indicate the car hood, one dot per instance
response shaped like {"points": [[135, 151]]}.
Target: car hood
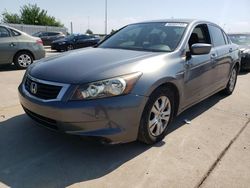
{"points": [[244, 46], [87, 65]]}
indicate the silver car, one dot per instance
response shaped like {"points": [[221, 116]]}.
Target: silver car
{"points": [[19, 47], [133, 83]]}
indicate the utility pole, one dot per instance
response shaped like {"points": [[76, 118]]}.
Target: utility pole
{"points": [[71, 27], [106, 17], [88, 22]]}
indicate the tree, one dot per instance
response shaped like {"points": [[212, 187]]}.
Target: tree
{"points": [[31, 14], [89, 32], [112, 31], [11, 18]]}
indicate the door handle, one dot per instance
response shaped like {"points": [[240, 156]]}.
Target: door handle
{"points": [[230, 50], [12, 44]]}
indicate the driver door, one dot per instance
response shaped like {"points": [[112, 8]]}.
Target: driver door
{"points": [[199, 73]]}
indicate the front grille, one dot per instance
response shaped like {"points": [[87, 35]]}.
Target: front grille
{"points": [[50, 123], [43, 91]]}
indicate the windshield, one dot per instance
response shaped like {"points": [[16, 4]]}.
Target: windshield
{"points": [[36, 34], [240, 39], [70, 37], [157, 37]]}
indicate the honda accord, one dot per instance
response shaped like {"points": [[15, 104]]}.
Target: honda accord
{"points": [[131, 85]]}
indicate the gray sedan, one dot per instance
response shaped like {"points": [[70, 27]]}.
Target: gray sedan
{"points": [[19, 47], [132, 85]]}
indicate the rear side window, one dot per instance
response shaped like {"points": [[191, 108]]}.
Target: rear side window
{"points": [[217, 36], [15, 33], [44, 34], [4, 32]]}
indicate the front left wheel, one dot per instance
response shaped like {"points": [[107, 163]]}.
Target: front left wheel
{"points": [[70, 47], [157, 115]]}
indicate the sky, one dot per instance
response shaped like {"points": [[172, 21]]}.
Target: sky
{"points": [[232, 15]]}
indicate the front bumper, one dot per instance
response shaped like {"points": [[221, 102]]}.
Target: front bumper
{"points": [[245, 62], [116, 119]]}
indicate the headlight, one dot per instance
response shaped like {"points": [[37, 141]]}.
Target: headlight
{"points": [[246, 51], [107, 88]]}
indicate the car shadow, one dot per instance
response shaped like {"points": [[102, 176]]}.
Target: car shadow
{"points": [[9, 67], [195, 111], [32, 156], [244, 72]]}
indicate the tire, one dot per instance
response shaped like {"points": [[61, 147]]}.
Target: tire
{"points": [[153, 127], [232, 82], [69, 47], [23, 59]]}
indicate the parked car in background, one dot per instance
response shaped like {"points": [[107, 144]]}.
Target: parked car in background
{"points": [[48, 37], [134, 83], [73, 42], [19, 47], [243, 40]]}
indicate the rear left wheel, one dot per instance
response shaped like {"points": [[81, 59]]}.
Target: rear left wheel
{"points": [[232, 82], [157, 116], [23, 59]]}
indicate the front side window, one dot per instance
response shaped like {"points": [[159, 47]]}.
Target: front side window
{"points": [[82, 37], [4, 32], [200, 34], [157, 37], [71, 37], [217, 35]]}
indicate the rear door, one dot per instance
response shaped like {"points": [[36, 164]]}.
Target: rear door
{"points": [[224, 53], [8, 45]]}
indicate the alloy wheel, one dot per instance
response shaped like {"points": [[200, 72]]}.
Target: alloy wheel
{"points": [[24, 60], [70, 47], [159, 116], [232, 80]]}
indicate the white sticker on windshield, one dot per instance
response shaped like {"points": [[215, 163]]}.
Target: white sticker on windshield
{"points": [[171, 24]]}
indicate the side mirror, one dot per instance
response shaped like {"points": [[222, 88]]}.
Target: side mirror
{"points": [[200, 48]]}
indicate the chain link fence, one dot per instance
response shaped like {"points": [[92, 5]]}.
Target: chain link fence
{"points": [[31, 29]]}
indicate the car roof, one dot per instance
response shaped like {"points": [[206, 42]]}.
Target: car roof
{"points": [[170, 20], [3, 25], [49, 32], [179, 20], [9, 27]]}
